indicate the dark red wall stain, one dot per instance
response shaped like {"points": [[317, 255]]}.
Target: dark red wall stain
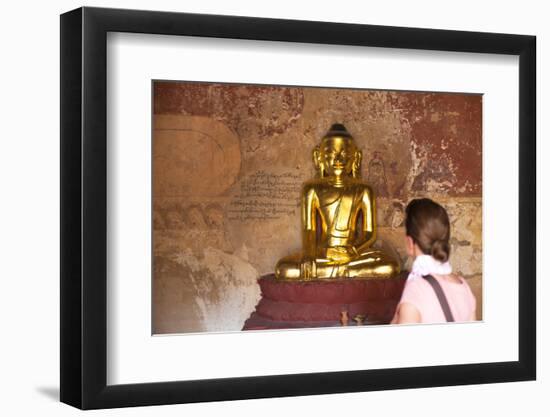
{"points": [[274, 109], [447, 132]]}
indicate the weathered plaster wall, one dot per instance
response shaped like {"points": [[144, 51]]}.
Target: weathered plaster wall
{"points": [[228, 162]]}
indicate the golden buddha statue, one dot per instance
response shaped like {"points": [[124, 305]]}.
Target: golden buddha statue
{"points": [[338, 219]]}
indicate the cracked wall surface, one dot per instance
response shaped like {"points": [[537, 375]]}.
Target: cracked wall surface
{"points": [[228, 164]]}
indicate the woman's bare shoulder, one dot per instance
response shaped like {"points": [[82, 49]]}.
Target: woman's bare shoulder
{"points": [[453, 278], [457, 277]]}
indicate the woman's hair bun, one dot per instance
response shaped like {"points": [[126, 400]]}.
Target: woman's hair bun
{"points": [[440, 250], [427, 223]]}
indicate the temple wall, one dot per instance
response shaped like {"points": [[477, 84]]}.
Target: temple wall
{"points": [[228, 164]]}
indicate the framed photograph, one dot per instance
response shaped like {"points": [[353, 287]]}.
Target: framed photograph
{"points": [[238, 207]]}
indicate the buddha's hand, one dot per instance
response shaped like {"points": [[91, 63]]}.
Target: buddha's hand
{"points": [[348, 252], [342, 254], [308, 268]]}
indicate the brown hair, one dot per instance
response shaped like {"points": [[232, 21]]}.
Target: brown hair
{"points": [[427, 223]]}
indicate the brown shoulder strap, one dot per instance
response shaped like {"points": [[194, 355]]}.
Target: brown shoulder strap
{"points": [[440, 296]]}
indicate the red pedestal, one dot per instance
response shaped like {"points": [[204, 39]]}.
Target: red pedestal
{"points": [[286, 304]]}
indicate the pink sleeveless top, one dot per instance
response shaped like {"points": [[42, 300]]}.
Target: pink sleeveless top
{"points": [[421, 294]]}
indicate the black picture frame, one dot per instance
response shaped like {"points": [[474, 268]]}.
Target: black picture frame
{"points": [[84, 207]]}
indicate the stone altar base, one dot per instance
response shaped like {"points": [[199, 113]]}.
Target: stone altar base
{"points": [[287, 304]]}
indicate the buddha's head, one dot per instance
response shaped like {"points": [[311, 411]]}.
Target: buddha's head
{"points": [[337, 155]]}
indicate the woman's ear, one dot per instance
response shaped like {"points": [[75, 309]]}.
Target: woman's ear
{"points": [[410, 245]]}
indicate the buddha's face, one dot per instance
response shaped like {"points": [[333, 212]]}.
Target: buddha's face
{"points": [[338, 154]]}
